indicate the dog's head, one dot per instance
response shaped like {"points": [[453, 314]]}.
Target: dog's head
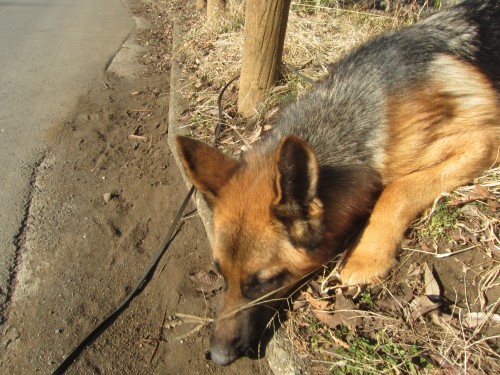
{"points": [[267, 221]]}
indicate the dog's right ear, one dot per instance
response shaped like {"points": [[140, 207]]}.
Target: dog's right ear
{"points": [[207, 168], [297, 204]]}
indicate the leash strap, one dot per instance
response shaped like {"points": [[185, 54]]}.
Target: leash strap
{"points": [[92, 336]]}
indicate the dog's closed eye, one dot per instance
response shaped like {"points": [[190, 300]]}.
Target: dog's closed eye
{"points": [[257, 285]]}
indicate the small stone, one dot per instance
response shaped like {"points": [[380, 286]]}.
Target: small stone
{"points": [[107, 197], [59, 330]]}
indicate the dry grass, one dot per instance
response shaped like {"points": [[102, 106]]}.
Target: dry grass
{"points": [[390, 327], [393, 326], [210, 54]]}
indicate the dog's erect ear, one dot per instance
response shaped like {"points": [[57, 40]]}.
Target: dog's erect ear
{"points": [[296, 203], [207, 168]]}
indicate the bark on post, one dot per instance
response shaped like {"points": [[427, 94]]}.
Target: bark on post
{"points": [[265, 28], [215, 6]]}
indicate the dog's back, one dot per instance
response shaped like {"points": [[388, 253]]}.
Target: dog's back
{"points": [[347, 112]]}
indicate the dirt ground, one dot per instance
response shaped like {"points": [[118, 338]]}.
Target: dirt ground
{"points": [[101, 205], [103, 198]]}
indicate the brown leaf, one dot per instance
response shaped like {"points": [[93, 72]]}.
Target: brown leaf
{"points": [[414, 270], [420, 306], [456, 235], [493, 204], [344, 303], [427, 248], [206, 281], [345, 309], [390, 303], [316, 303], [331, 320], [464, 199], [483, 192], [342, 314], [315, 287], [298, 305], [480, 192], [300, 302]]}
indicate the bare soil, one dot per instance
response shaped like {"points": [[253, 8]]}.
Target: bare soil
{"points": [[101, 205]]}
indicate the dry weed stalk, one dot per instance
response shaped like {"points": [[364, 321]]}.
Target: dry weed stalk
{"points": [[211, 55]]}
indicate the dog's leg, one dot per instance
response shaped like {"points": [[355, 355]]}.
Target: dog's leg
{"points": [[403, 199]]}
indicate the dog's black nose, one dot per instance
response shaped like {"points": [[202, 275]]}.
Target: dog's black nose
{"points": [[222, 357], [224, 353]]}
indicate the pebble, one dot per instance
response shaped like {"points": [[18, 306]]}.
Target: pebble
{"points": [[107, 197]]}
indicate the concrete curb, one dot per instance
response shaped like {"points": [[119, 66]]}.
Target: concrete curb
{"points": [[177, 105], [279, 354]]}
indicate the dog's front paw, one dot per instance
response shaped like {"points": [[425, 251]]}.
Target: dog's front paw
{"points": [[364, 270]]}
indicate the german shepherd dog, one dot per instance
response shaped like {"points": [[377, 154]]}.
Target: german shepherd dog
{"points": [[398, 121]]}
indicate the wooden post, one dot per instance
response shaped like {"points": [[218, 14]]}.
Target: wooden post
{"points": [[215, 6], [265, 28]]}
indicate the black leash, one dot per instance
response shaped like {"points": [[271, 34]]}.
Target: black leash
{"points": [[92, 336], [219, 105], [299, 74]]}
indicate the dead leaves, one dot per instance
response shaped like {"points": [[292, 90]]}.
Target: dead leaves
{"points": [[479, 192], [341, 312], [420, 306], [430, 301], [206, 281]]}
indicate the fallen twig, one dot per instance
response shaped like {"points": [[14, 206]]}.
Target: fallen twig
{"points": [[138, 137], [194, 318], [160, 337], [192, 332]]}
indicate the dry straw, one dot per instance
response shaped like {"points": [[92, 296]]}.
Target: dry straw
{"points": [[211, 52]]}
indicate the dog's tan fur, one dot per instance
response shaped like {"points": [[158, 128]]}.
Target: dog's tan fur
{"points": [[441, 135]]}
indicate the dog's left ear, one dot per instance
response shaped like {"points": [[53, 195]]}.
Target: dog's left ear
{"points": [[296, 204], [207, 168]]}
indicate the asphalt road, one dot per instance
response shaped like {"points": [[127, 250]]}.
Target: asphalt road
{"points": [[51, 53]]}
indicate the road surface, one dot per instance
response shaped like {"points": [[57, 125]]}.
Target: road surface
{"points": [[51, 53]]}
